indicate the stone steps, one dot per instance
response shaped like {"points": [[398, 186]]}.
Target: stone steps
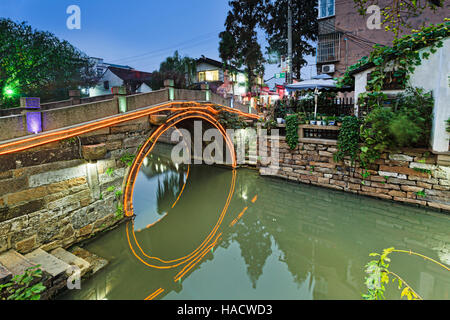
{"points": [[56, 266], [95, 261], [73, 260], [14, 262], [443, 160]]}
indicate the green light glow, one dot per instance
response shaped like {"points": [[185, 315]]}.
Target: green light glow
{"points": [[122, 104], [9, 91]]}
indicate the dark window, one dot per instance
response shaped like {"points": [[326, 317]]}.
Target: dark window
{"points": [[106, 85]]}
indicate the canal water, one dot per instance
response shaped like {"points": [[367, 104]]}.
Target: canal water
{"points": [[205, 232]]}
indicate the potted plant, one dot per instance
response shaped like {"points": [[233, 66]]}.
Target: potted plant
{"points": [[312, 120], [319, 120], [332, 121], [339, 121], [302, 118]]}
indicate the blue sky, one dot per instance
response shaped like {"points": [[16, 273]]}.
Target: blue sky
{"points": [[140, 33]]}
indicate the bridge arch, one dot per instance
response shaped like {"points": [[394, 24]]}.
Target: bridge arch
{"points": [[210, 241], [147, 147]]}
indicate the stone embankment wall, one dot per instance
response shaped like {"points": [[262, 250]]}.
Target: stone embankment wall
{"points": [[51, 196], [409, 176]]}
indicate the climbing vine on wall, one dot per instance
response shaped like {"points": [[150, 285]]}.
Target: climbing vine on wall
{"points": [[292, 131], [348, 139], [404, 56]]}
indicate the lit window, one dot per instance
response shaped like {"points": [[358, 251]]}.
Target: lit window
{"points": [[201, 76], [326, 8], [212, 75]]}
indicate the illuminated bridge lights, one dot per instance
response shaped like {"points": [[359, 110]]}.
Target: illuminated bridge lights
{"points": [[21, 144]]}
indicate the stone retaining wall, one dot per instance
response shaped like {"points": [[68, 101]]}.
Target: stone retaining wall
{"points": [[409, 176], [51, 197]]}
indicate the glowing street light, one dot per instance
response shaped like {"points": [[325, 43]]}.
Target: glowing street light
{"points": [[9, 91]]}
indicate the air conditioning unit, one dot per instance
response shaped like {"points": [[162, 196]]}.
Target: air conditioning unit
{"points": [[328, 68]]}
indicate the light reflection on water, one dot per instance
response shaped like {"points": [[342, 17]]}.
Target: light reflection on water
{"points": [[295, 242]]}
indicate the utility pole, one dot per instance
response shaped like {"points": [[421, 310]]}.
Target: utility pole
{"points": [[289, 59]]}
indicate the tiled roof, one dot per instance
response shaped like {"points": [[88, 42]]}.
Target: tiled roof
{"points": [[127, 74]]}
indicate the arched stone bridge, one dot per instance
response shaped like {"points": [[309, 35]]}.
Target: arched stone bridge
{"points": [[54, 183]]}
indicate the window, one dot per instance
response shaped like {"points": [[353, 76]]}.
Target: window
{"points": [[328, 48], [99, 72], [211, 75], [326, 8], [106, 85]]}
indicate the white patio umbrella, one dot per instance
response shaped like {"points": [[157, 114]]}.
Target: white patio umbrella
{"points": [[319, 82]]}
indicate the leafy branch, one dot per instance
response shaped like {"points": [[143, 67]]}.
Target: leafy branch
{"points": [[378, 276], [20, 287]]}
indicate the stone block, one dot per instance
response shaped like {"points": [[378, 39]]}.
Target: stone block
{"points": [[49, 263], [396, 193], [322, 164], [51, 177], [401, 170], [15, 262], [400, 157], [94, 152], [411, 188]]}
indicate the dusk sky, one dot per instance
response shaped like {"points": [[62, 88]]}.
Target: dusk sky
{"points": [[139, 33]]}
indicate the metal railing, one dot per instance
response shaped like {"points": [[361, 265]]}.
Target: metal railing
{"points": [[329, 47]]}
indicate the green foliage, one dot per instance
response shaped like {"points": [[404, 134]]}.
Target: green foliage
{"points": [[304, 30], [379, 276], [111, 189], [37, 64], [397, 14], [118, 194], [127, 159], [21, 286], [428, 171], [231, 120], [182, 70], [292, 131], [241, 24], [404, 131], [375, 135], [421, 193], [348, 139], [448, 124], [119, 211], [406, 123], [110, 171], [404, 54]]}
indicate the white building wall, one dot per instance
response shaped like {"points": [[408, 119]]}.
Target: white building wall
{"points": [[144, 89], [99, 90], [433, 75]]}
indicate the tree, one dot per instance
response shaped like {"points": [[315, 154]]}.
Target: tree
{"points": [[304, 30], [37, 63], [182, 65], [241, 23], [396, 13]]}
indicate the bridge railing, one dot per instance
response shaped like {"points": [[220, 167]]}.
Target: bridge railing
{"points": [[50, 118]]}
